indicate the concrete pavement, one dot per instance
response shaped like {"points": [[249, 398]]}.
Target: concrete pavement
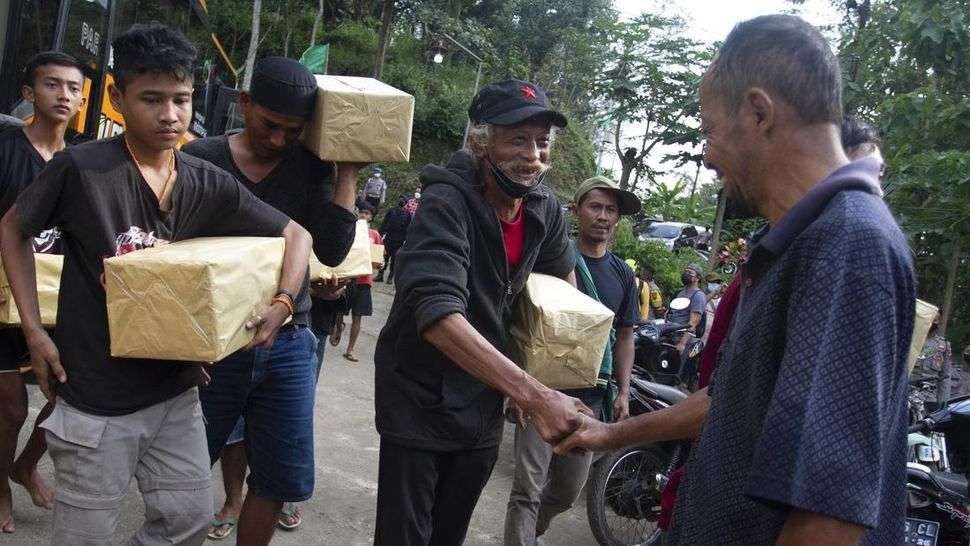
{"points": [[341, 511]]}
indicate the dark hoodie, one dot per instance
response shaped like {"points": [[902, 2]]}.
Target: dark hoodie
{"points": [[454, 262]]}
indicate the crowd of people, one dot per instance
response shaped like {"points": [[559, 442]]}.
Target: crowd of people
{"points": [[807, 342]]}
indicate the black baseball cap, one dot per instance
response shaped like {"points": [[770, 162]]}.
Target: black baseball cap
{"points": [[511, 102], [284, 86]]}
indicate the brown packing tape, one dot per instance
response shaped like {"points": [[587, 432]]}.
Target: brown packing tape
{"points": [[48, 269], [559, 334], [356, 264], [361, 120], [190, 300]]}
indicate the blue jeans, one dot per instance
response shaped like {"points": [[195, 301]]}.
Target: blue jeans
{"points": [[274, 390]]}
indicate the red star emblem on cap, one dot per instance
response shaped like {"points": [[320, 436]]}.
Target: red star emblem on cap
{"points": [[528, 92]]}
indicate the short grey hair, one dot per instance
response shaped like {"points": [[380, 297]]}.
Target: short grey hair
{"points": [[782, 54], [480, 137]]}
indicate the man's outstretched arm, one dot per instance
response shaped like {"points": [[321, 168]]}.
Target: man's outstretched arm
{"points": [[554, 414], [682, 421]]}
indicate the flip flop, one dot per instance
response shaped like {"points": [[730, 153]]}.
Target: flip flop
{"points": [[290, 510], [216, 523], [351, 357], [335, 335]]}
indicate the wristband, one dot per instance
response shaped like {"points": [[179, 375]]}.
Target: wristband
{"points": [[286, 303]]}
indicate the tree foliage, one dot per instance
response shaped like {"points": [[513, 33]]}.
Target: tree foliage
{"points": [[906, 67]]}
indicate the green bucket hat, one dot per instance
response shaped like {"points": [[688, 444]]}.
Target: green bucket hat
{"points": [[629, 202]]}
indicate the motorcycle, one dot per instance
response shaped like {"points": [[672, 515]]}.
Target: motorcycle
{"points": [[938, 505], [624, 488], [930, 448], [656, 351]]}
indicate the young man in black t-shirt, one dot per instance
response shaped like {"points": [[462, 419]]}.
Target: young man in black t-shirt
{"points": [[544, 484], [52, 83], [118, 418], [268, 159]]}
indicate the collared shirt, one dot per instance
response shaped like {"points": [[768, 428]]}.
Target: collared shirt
{"points": [[808, 401]]}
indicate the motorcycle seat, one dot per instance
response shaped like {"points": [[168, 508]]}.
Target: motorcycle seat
{"points": [[954, 483], [669, 327], [668, 394]]}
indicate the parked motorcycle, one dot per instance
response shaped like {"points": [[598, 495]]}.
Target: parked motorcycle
{"points": [[656, 351], [938, 505], [623, 492]]}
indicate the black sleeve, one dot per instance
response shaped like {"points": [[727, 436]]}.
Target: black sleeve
{"points": [[42, 205], [237, 212], [555, 256], [331, 226], [432, 269], [630, 308]]}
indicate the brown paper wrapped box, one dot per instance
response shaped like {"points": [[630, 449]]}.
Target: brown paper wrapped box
{"points": [[925, 313], [377, 256], [360, 119], [48, 268], [356, 264], [190, 300], [559, 334]]}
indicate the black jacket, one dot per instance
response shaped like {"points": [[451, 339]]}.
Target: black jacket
{"points": [[395, 227], [454, 262]]}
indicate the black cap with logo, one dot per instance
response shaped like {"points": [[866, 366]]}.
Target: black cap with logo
{"points": [[511, 102]]}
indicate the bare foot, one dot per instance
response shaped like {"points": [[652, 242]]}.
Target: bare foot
{"points": [[41, 493], [6, 509]]}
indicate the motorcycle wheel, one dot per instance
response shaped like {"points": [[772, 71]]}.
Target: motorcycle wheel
{"points": [[623, 496]]}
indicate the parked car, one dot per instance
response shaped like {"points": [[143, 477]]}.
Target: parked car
{"points": [[673, 235]]}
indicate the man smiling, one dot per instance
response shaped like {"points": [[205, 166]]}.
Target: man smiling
{"points": [[486, 222]]}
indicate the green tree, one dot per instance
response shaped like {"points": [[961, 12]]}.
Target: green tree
{"points": [[906, 66], [653, 81]]}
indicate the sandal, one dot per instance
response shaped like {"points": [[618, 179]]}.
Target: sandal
{"points": [[215, 524], [291, 511], [351, 357]]}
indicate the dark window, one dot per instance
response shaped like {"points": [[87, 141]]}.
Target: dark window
{"points": [[34, 32]]}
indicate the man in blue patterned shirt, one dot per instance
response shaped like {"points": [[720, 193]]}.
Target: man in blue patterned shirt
{"points": [[801, 435]]}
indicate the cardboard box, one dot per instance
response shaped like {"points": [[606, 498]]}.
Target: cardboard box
{"points": [[190, 300], [360, 119], [925, 313], [559, 334], [48, 269], [377, 256], [356, 264]]}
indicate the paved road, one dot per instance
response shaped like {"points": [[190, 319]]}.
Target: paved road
{"points": [[342, 509]]}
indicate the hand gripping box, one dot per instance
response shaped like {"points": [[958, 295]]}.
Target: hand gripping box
{"points": [[190, 300]]}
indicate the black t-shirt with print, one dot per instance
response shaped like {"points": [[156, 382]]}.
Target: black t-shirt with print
{"points": [[105, 208], [19, 165], [301, 187]]}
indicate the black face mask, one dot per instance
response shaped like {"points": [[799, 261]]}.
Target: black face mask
{"points": [[510, 187], [686, 278]]}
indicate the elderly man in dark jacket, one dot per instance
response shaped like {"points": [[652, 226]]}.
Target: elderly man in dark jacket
{"points": [[442, 361]]}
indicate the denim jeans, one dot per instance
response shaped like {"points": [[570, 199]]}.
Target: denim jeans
{"points": [[274, 390]]}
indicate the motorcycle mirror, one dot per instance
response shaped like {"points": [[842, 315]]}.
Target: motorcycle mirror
{"points": [[679, 304]]}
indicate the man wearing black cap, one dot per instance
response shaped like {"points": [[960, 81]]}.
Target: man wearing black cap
{"points": [[442, 368], [269, 161], [544, 484]]}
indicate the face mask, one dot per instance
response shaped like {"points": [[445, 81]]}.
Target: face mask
{"points": [[510, 187], [686, 278], [712, 286]]}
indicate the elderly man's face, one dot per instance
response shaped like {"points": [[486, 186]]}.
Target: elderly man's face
{"points": [[521, 151], [722, 153]]}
